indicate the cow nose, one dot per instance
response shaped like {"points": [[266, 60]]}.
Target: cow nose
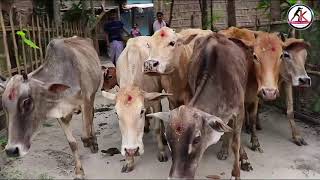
{"points": [[269, 93], [132, 152], [305, 81], [13, 152], [151, 65]]}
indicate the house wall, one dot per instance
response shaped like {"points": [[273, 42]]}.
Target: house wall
{"points": [[183, 11]]}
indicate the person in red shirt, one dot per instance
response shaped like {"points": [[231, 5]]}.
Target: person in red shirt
{"points": [[135, 31]]}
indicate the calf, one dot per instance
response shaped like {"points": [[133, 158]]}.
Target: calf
{"points": [[133, 100], [109, 78], [217, 79], [169, 57], [66, 81]]}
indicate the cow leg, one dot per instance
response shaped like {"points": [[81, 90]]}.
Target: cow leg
{"points": [[224, 152], [89, 138], [296, 136], [129, 165], [65, 125], [236, 150], [254, 138], [247, 123], [159, 131], [245, 164]]}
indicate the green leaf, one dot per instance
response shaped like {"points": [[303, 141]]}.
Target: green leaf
{"points": [[30, 43], [21, 33]]}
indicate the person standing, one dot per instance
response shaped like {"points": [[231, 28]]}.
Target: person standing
{"points": [[135, 31], [113, 30], [159, 23]]}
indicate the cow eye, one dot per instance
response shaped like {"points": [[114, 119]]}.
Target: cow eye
{"points": [[142, 112], [255, 58], [285, 55], [196, 140], [172, 43]]}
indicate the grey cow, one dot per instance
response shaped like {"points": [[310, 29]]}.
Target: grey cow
{"points": [[66, 82]]}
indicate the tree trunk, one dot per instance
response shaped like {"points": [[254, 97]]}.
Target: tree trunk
{"points": [[211, 14], [171, 11], [275, 11], [231, 11], [204, 13], [56, 12]]}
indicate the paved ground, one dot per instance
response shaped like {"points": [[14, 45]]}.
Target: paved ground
{"points": [[50, 155]]}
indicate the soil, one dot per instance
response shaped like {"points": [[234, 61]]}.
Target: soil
{"points": [[50, 155]]}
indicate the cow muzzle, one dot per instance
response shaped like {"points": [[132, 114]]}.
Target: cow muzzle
{"points": [[304, 81], [16, 151], [132, 152], [268, 94], [151, 66]]}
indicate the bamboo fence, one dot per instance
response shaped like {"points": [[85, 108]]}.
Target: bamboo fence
{"points": [[16, 56]]}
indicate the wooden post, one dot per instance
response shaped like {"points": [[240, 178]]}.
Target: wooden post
{"points": [[34, 37], [48, 26], [67, 29], [15, 47], [39, 40], [23, 48], [44, 31], [4, 34]]}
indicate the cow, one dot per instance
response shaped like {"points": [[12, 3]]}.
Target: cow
{"points": [[67, 80], [169, 57], [217, 78], [138, 94], [293, 73], [269, 50], [265, 51], [109, 78]]}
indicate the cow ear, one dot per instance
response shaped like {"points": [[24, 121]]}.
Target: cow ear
{"points": [[57, 88], [217, 124], [165, 116], [155, 95], [292, 43], [186, 39], [109, 96]]}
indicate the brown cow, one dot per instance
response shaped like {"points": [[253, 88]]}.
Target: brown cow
{"points": [[218, 72], [109, 78], [293, 73], [66, 81], [268, 51], [169, 57]]}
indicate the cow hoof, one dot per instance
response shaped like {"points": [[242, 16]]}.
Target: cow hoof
{"points": [[223, 155], [94, 148], [79, 177], [127, 168], [85, 141], [299, 141], [146, 130], [79, 173], [162, 157], [256, 145], [246, 166]]}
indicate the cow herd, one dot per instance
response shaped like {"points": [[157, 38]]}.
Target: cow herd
{"points": [[213, 82]]}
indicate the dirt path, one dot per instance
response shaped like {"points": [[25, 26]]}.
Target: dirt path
{"points": [[50, 155]]}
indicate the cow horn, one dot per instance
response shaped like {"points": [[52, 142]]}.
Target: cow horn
{"points": [[24, 75]]}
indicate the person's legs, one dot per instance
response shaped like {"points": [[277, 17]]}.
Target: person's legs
{"points": [[113, 52], [118, 50]]}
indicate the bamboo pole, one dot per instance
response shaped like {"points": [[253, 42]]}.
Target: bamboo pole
{"points": [[15, 47], [34, 37], [23, 49], [57, 29], [48, 25], [313, 72], [44, 32], [4, 34], [39, 40], [30, 50], [67, 29]]}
